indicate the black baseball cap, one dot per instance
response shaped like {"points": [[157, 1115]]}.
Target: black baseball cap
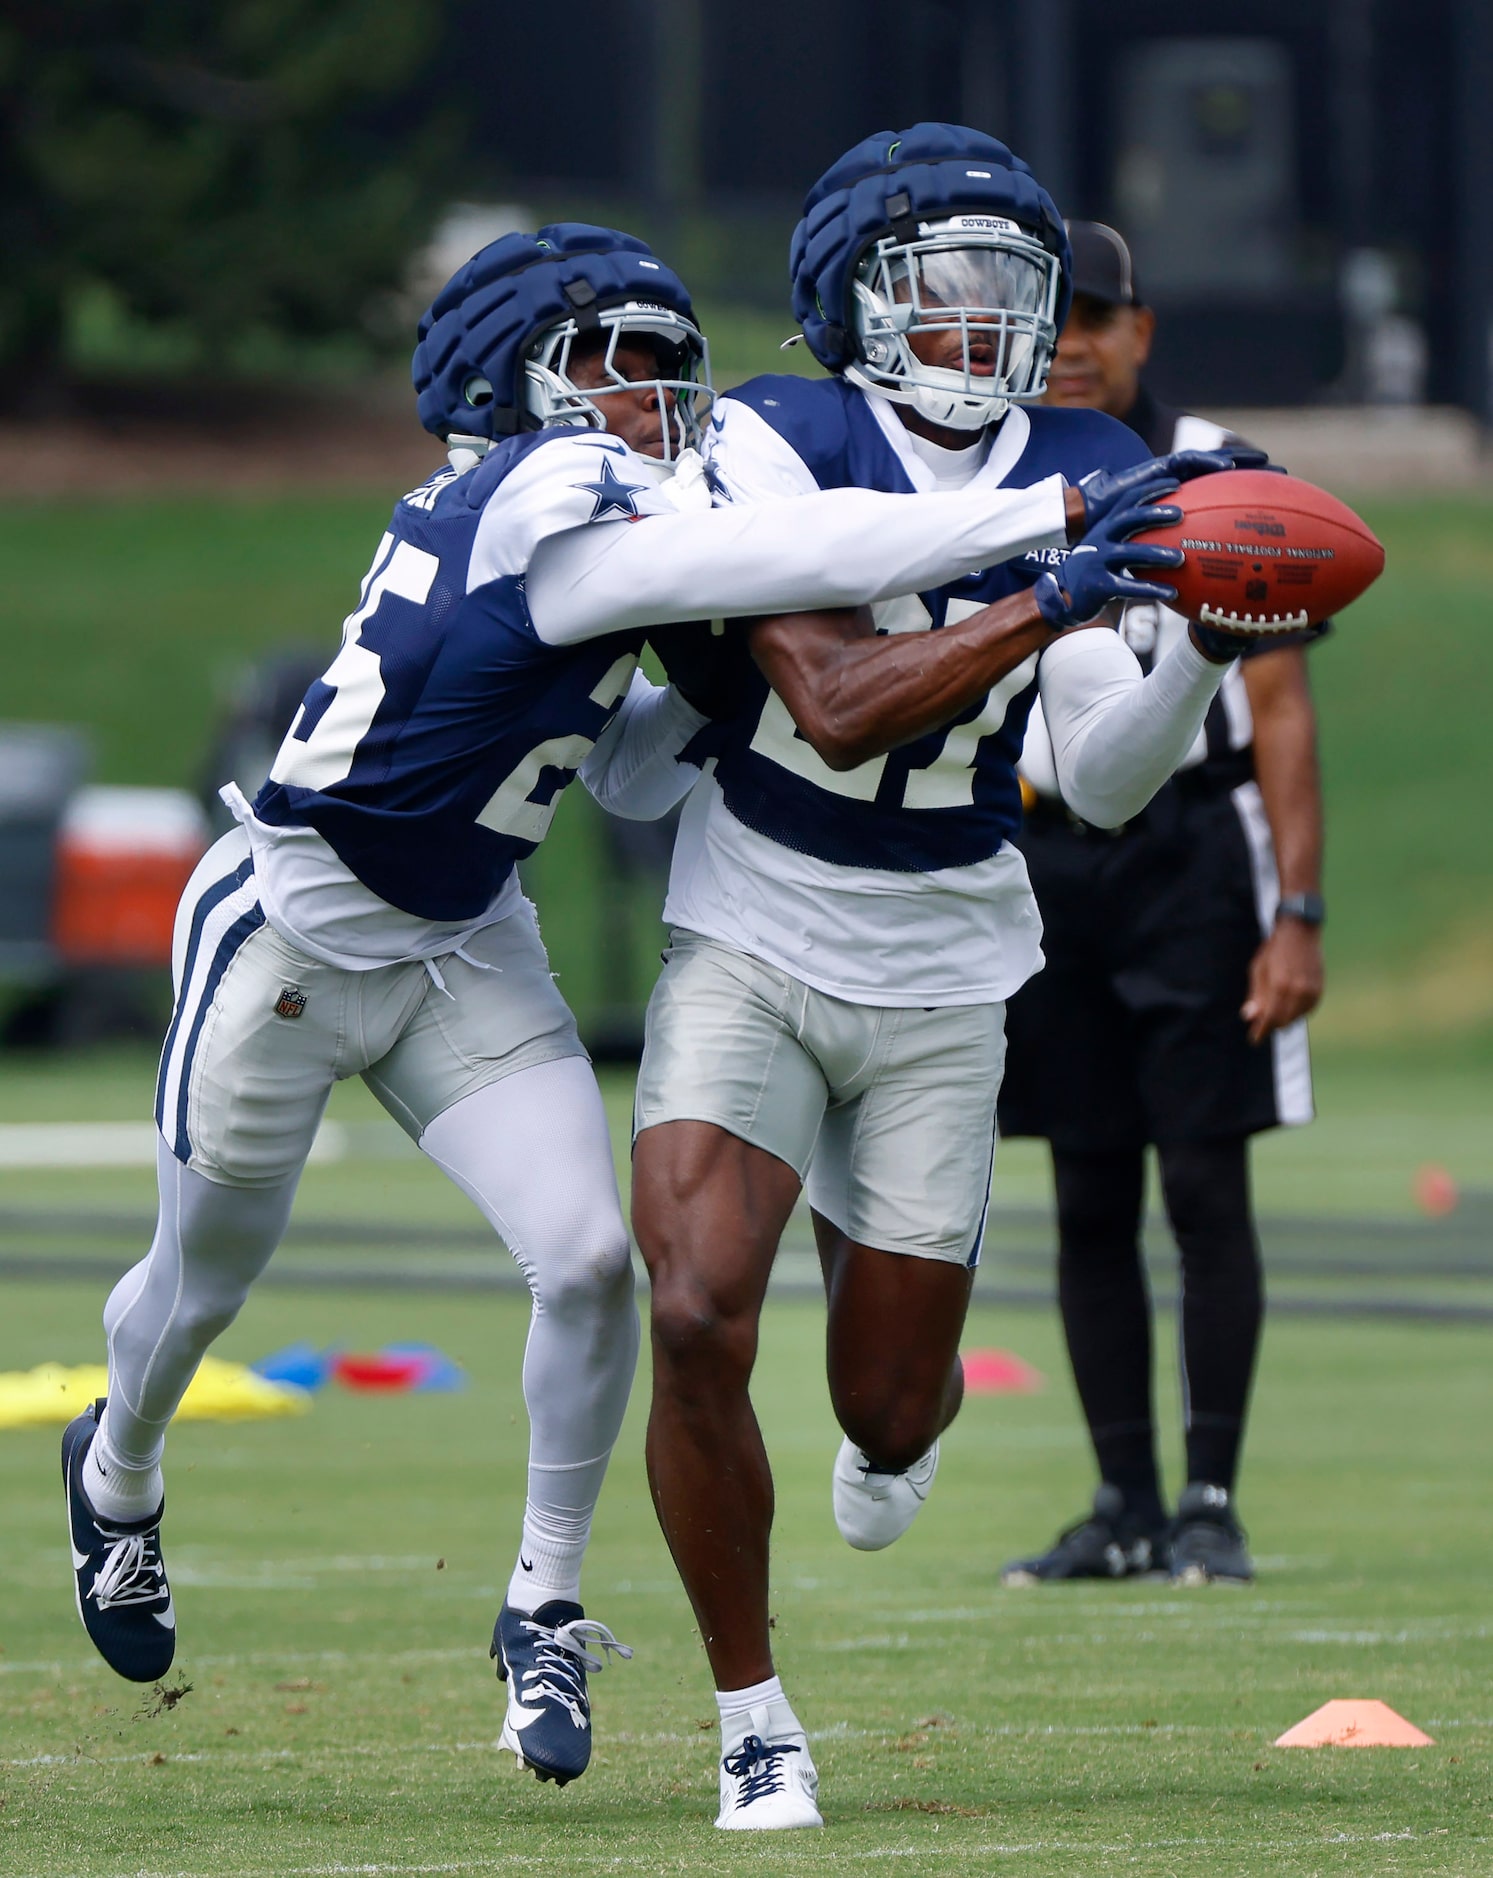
{"points": [[1102, 267]]}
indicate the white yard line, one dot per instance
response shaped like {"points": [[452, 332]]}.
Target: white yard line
{"points": [[114, 1144]]}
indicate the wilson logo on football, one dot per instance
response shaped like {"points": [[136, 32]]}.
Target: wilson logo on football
{"points": [[291, 1001]]}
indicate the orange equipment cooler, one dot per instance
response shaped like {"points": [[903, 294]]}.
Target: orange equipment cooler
{"points": [[123, 857]]}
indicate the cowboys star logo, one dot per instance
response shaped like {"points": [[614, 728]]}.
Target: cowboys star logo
{"points": [[613, 496]]}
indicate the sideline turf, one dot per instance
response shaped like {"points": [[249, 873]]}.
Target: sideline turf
{"points": [[1379, 1121], [336, 1581]]}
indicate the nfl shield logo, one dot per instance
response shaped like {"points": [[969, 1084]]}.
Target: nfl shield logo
{"points": [[291, 1001]]}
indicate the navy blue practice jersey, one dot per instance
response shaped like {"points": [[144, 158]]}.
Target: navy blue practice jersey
{"points": [[950, 798], [432, 754]]}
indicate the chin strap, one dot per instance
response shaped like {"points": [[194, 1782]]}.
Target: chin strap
{"points": [[464, 453]]}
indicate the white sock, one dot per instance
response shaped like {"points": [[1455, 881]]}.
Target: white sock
{"points": [[115, 1491], [736, 1704], [549, 1558]]}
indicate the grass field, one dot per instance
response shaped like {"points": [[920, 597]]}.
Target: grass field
{"points": [[336, 1580], [337, 1577]]}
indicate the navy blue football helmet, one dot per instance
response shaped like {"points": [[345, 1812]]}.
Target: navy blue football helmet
{"points": [[495, 346], [937, 231]]}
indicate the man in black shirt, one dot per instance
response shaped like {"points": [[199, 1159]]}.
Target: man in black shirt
{"points": [[1183, 953]]}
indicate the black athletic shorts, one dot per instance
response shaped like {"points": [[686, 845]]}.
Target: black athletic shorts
{"points": [[1132, 1034]]}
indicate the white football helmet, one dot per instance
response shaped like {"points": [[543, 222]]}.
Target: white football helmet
{"points": [[981, 277], [555, 400]]}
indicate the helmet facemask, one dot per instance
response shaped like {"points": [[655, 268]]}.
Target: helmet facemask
{"points": [[554, 400], [982, 284]]}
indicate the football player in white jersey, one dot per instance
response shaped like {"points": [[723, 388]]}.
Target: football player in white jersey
{"points": [[365, 918], [849, 914]]}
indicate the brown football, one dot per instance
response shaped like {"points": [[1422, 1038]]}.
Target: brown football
{"points": [[1267, 552]]}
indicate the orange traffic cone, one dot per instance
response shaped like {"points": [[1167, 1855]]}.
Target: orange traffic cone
{"points": [[1354, 1725]]}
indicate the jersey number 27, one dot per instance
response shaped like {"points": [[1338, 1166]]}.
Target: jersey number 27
{"points": [[948, 782]]}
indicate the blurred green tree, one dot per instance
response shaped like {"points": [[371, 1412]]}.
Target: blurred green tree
{"points": [[233, 170]]}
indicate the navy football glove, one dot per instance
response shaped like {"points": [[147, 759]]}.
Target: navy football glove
{"points": [[711, 671], [1097, 572], [1220, 646], [1106, 490]]}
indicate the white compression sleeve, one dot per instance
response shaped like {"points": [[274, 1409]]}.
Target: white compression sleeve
{"points": [[534, 1153], [841, 547], [634, 770], [1117, 736], [211, 1243]]}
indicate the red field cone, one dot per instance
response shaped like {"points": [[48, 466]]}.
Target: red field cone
{"points": [[1354, 1725], [999, 1372]]}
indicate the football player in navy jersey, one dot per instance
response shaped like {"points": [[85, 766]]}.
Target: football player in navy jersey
{"points": [[365, 917], [848, 912]]}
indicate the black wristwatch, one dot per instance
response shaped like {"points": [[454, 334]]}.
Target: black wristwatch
{"points": [[1309, 908]]}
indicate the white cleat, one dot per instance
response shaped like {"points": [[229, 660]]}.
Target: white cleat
{"points": [[769, 1783], [872, 1508]]}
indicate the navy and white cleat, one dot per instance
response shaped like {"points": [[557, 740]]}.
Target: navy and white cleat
{"points": [[119, 1579], [873, 1507], [768, 1780], [544, 1659]]}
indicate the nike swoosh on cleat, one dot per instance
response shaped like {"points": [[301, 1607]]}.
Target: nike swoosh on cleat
{"points": [[167, 1618], [80, 1559]]}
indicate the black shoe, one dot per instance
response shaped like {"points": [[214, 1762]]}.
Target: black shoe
{"points": [[1109, 1543], [1208, 1545], [119, 1579], [544, 1659]]}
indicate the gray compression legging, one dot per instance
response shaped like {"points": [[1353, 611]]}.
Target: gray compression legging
{"points": [[533, 1151]]}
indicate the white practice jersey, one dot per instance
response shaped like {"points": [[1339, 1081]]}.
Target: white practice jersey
{"points": [[788, 882]]}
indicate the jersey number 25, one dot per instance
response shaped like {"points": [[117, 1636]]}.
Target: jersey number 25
{"points": [[325, 755]]}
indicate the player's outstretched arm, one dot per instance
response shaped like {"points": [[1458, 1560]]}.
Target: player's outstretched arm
{"points": [[1118, 735], [856, 694], [837, 548]]}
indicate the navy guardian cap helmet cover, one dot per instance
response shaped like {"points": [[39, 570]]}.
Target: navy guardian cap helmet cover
{"points": [[876, 256], [494, 343]]}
